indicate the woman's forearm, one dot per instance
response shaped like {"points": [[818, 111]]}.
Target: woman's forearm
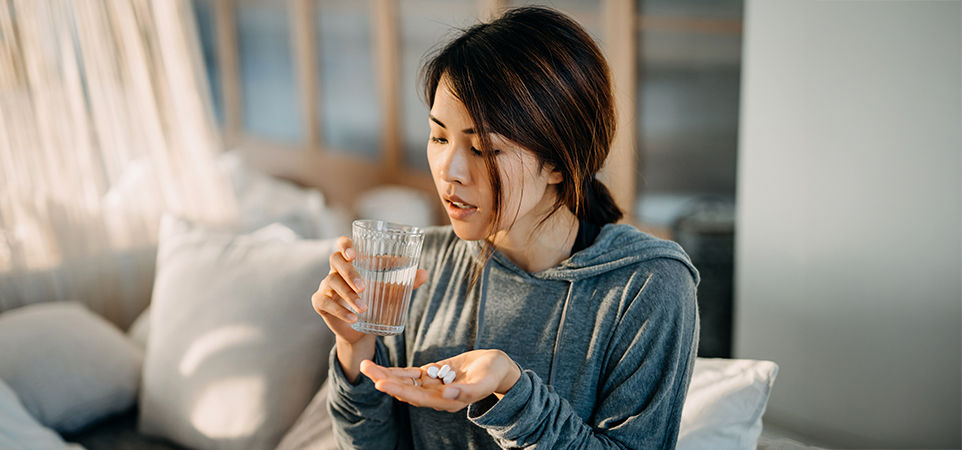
{"points": [[350, 355]]}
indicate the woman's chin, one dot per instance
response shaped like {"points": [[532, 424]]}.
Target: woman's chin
{"points": [[467, 232]]}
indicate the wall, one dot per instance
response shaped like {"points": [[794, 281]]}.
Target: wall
{"points": [[849, 253]]}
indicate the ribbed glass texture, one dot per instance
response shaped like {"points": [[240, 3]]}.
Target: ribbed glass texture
{"points": [[387, 260]]}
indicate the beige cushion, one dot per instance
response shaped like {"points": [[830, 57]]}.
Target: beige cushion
{"points": [[234, 349]]}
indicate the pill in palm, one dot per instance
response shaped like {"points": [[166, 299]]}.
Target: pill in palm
{"points": [[444, 371], [433, 371], [448, 378]]}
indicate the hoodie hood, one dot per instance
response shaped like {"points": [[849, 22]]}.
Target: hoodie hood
{"points": [[615, 247]]}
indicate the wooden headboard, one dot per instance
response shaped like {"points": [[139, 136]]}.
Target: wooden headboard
{"points": [[339, 176], [342, 177]]}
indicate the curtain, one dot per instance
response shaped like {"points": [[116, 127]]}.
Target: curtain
{"points": [[105, 124]]}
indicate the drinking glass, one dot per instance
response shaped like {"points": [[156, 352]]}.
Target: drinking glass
{"points": [[387, 257]]}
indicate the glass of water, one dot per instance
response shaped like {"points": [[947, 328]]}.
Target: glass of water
{"points": [[387, 257]]}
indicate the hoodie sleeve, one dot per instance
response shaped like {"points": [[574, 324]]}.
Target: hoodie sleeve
{"points": [[362, 416], [641, 389]]}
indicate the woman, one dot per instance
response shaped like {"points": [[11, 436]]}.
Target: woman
{"points": [[563, 328]]}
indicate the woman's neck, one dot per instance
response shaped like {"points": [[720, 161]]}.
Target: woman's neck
{"points": [[534, 248]]}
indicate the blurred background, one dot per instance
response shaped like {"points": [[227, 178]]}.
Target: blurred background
{"points": [[338, 79], [807, 155]]}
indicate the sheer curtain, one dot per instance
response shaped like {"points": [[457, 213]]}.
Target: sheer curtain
{"points": [[105, 123]]}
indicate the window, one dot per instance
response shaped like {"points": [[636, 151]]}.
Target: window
{"points": [[424, 24], [675, 64], [267, 79], [350, 113]]}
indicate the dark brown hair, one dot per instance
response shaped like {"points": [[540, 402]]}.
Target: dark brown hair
{"points": [[537, 78]]}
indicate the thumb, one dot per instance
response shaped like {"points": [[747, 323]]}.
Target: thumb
{"points": [[465, 392], [420, 278], [451, 392]]}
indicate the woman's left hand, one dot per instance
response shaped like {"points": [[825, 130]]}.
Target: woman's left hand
{"points": [[478, 374]]}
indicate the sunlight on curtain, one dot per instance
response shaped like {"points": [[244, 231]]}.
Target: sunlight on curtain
{"points": [[105, 123]]}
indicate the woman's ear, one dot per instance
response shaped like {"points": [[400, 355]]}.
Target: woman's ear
{"points": [[554, 175]]}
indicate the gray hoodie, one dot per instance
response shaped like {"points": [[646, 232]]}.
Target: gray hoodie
{"points": [[606, 342]]}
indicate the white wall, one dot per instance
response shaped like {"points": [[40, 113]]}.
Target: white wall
{"points": [[849, 244]]}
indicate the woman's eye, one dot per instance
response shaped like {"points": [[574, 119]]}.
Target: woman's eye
{"points": [[438, 140], [478, 152]]}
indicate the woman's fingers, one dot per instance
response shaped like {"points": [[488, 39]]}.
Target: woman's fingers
{"points": [[340, 287], [328, 305], [346, 247], [420, 396], [341, 262], [428, 391], [377, 372], [345, 311], [420, 278]]}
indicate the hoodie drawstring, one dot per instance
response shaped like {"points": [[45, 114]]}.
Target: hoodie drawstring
{"points": [[557, 338]]}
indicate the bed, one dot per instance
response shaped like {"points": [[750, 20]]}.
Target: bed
{"points": [[215, 356]]}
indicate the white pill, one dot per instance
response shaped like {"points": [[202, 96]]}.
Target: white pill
{"points": [[448, 378], [444, 371], [433, 371]]}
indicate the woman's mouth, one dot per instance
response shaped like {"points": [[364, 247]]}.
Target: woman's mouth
{"points": [[458, 209]]}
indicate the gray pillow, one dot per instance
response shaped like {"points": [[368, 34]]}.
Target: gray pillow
{"points": [[19, 430], [68, 366], [234, 349]]}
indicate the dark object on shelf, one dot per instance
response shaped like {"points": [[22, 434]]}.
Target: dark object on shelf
{"points": [[706, 230]]}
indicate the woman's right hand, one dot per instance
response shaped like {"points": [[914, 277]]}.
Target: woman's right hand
{"points": [[337, 299], [337, 302]]}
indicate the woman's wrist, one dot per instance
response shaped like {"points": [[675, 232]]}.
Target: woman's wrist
{"points": [[350, 355], [510, 378]]}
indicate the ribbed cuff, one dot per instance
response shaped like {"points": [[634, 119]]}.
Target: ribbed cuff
{"points": [[499, 415]]}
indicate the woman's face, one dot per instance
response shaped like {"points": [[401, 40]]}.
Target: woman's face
{"points": [[461, 176]]}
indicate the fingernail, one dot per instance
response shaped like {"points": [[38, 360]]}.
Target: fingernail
{"points": [[451, 392], [351, 317], [349, 253], [360, 303], [359, 283]]}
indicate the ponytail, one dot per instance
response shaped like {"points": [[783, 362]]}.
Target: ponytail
{"points": [[598, 206]]}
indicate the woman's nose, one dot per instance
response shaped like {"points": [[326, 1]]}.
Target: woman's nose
{"points": [[454, 167]]}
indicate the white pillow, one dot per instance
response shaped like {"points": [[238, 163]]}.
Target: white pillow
{"points": [[264, 199], [725, 403], [235, 350], [18, 429], [68, 366], [139, 329]]}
